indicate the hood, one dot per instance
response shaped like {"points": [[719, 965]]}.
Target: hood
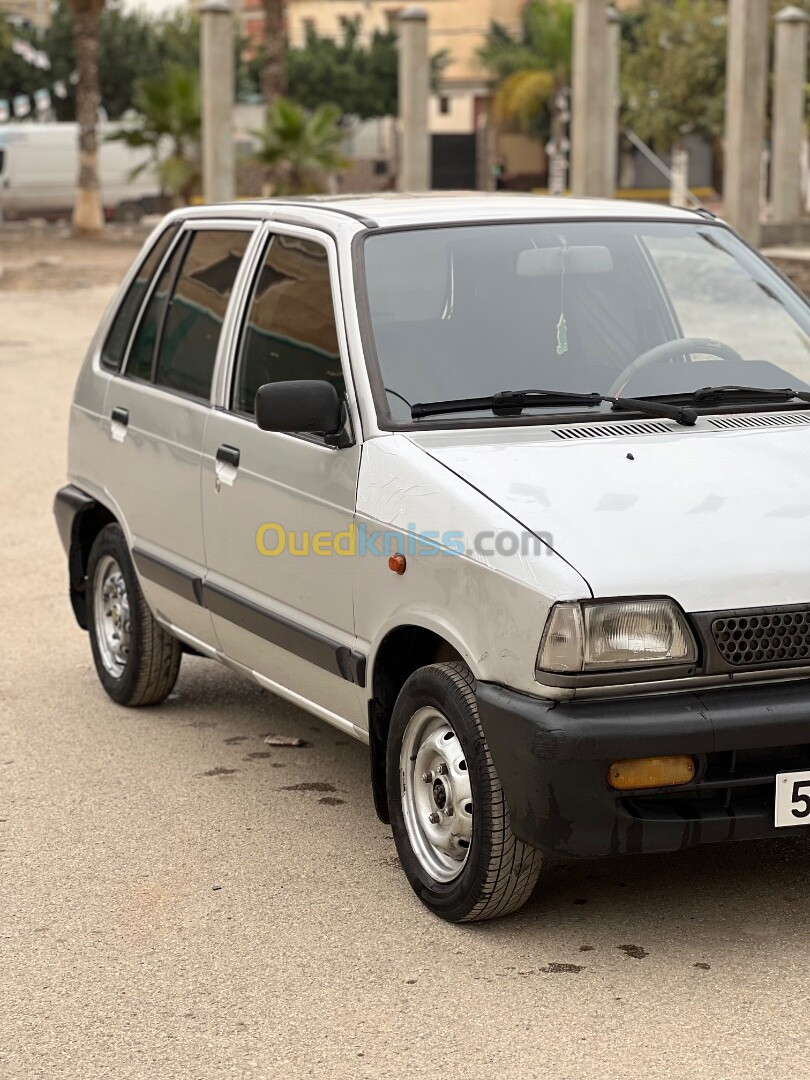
{"points": [[716, 518]]}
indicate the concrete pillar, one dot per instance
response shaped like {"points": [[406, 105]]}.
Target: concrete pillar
{"points": [[746, 85], [217, 91], [614, 100], [790, 74], [590, 63], [414, 90]]}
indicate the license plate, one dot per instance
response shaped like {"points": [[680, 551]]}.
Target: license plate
{"points": [[792, 799]]}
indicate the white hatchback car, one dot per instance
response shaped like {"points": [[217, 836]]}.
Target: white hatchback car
{"points": [[515, 490]]}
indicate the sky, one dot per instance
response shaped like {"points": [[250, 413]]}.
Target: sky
{"points": [[154, 7]]}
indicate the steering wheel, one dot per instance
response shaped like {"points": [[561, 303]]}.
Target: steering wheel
{"points": [[667, 351]]}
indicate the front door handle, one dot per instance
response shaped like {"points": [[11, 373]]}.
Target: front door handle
{"points": [[226, 466], [120, 416], [228, 455]]}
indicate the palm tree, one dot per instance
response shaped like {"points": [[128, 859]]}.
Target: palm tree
{"points": [[274, 62], [168, 123], [299, 147], [534, 68], [88, 216]]}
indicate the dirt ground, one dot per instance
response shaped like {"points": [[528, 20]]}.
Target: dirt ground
{"points": [[48, 257]]}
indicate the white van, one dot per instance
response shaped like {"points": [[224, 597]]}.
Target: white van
{"points": [[514, 490], [39, 166]]}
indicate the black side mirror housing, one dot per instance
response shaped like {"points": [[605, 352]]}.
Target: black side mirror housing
{"points": [[302, 405]]}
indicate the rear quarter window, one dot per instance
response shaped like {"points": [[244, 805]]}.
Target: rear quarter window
{"points": [[114, 348]]}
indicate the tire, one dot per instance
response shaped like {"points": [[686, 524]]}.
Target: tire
{"points": [[466, 866], [137, 661]]}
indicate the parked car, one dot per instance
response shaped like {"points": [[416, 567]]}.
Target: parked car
{"points": [[572, 618], [39, 168]]}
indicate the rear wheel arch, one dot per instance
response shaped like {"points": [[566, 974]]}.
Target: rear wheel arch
{"points": [[80, 519], [402, 651]]}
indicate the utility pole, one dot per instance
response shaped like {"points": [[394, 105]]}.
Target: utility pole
{"points": [[746, 85], [414, 90], [590, 75], [790, 74], [217, 77]]}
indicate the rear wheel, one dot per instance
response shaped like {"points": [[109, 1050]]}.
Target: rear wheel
{"points": [[137, 661], [448, 812]]}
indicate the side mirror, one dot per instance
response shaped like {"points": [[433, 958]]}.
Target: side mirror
{"points": [[306, 405]]}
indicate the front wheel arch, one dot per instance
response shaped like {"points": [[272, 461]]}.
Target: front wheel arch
{"points": [[401, 652]]}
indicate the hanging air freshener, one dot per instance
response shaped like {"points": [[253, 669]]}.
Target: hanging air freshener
{"points": [[562, 325]]}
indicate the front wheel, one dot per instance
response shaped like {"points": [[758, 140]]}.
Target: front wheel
{"points": [[448, 812]]}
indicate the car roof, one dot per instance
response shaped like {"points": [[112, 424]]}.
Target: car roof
{"points": [[396, 210]]}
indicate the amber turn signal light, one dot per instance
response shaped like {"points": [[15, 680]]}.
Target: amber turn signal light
{"points": [[397, 563], [651, 772]]}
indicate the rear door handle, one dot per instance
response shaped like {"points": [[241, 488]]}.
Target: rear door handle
{"points": [[118, 427], [228, 455]]}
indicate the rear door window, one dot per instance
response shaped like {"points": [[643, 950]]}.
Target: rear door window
{"points": [[114, 349], [141, 355], [193, 323]]}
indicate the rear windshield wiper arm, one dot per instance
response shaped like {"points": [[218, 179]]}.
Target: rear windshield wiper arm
{"points": [[513, 402]]}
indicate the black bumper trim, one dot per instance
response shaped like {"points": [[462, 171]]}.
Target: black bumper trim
{"points": [[552, 760]]}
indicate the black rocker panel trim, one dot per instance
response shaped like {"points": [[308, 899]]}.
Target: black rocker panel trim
{"points": [[169, 576], [318, 649]]}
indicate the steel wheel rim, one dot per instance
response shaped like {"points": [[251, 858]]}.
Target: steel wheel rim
{"points": [[112, 616], [436, 796]]}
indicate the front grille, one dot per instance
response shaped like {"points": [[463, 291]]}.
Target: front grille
{"points": [[763, 638]]}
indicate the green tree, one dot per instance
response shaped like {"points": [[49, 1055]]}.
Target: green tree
{"points": [[533, 67], [131, 46], [360, 77], [299, 146], [673, 71], [168, 124]]}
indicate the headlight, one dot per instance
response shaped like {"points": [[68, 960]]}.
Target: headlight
{"points": [[598, 636]]}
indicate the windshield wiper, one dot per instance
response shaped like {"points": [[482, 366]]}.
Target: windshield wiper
{"points": [[513, 402], [735, 393], [505, 403]]}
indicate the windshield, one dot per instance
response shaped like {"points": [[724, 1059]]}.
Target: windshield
{"points": [[460, 312]]}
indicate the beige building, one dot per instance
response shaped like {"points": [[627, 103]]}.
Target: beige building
{"points": [[35, 12]]}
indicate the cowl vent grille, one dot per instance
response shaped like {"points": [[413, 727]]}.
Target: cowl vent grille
{"points": [[759, 420], [612, 431]]}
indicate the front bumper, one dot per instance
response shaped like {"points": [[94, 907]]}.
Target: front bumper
{"points": [[552, 759]]}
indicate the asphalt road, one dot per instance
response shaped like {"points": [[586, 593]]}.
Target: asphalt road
{"points": [[176, 901]]}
